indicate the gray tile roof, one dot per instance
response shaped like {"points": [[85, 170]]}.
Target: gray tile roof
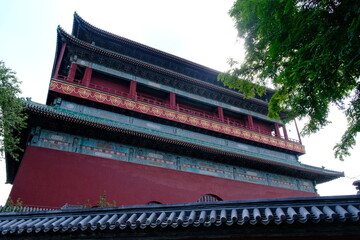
{"points": [[228, 214]]}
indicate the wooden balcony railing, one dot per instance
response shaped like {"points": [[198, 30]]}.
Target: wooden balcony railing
{"points": [[179, 107]]}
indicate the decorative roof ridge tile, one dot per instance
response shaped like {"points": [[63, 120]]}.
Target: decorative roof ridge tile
{"points": [[186, 141]]}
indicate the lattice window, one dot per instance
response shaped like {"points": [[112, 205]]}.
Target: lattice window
{"points": [[154, 203], [209, 198]]}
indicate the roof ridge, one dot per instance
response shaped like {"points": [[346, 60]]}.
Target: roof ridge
{"points": [[243, 203], [81, 20], [228, 214]]}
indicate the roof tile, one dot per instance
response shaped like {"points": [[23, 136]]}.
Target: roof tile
{"points": [[314, 210]]}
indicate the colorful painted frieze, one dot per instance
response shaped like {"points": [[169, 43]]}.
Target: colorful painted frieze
{"points": [[206, 168], [154, 158], [282, 181], [104, 149], [250, 175]]}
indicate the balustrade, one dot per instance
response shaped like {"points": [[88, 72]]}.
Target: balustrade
{"points": [[179, 107]]}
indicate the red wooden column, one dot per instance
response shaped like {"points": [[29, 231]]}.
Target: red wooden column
{"points": [[277, 131], [172, 100], [56, 74], [132, 91], [285, 132], [221, 113], [87, 77], [72, 72], [297, 130], [250, 121]]}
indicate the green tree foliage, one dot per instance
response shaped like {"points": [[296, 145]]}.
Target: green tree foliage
{"points": [[103, 201], [12, 117], [309, 51], [12, 206]]}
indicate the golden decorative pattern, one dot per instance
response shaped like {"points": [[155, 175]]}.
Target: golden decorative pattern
{"points": [[100, 97], [193, 121], [68, 88], [170, 115], [53, 85], [84, 93], [182, 118], [129, 104], [237, 132], [157, 111], [215, 126], [247, 134], [255, 136], [227, 129], [204, 123], [144, 108], [115, 101]]}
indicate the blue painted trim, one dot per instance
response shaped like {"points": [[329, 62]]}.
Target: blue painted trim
{"points": [[179, 134]]}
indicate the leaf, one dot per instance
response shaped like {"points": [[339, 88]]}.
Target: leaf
{"points": [[310, 52], [12, 116]]}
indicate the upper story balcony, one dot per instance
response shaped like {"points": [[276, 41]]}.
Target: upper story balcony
{"points": [[187, 105], [111, 79]]}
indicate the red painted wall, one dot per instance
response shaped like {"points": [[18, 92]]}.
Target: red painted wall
{"points": [[262, 126], [51, 178], [154, 98], [235, 121], [110, 86]]}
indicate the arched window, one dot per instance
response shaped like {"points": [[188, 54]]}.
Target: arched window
{"points": [[154, 203], [209, 198]]}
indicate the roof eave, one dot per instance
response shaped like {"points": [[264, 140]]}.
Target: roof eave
{"points": [[317, 174]]}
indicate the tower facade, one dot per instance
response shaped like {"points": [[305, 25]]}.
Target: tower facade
{"points": [[147, 127]]}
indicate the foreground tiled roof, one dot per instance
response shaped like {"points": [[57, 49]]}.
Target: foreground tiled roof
{"points": [[241, 215]]}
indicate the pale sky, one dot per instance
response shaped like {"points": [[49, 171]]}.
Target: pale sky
{"points": [[197, 30]]}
